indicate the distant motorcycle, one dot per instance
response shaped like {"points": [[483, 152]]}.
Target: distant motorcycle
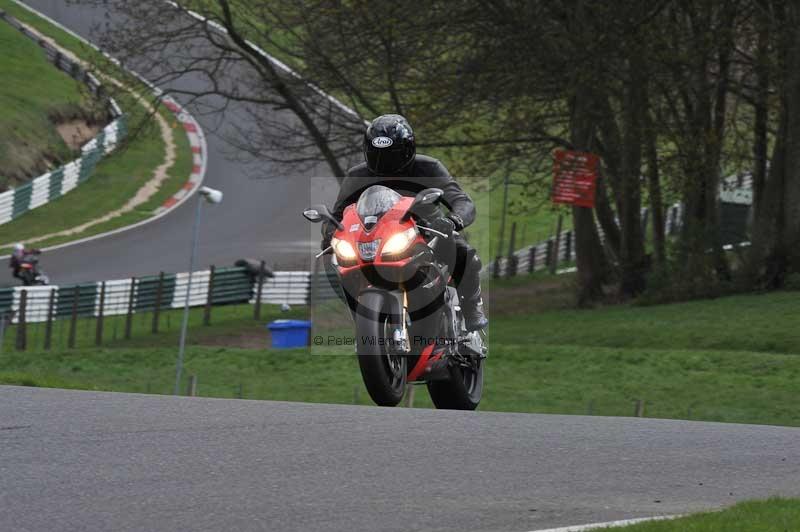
{"points": [[397, 280], [29, 271]]}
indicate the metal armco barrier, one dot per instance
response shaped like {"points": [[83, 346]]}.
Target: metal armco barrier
{"points": [[735, 190], [52, 185], [155, 293]]}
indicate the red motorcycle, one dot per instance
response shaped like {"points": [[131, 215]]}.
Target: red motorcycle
{"points": [[29, 270], [396, 275]]}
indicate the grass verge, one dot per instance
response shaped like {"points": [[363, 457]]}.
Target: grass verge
{"points": [[32, 91], [699, 361], [773, 515], [117, 178]]}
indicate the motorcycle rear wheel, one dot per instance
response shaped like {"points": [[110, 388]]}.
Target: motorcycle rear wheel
{"points": [[463, 391]]}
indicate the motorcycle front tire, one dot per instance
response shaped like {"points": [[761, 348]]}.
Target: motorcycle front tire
{"points": [[384, 373]]}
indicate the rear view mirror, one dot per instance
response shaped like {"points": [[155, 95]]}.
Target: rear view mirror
{"points": [[317, 213], [428, 196], [312, 215]]}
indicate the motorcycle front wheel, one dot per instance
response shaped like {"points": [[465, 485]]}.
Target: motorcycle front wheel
{"points": [[383, 371]]}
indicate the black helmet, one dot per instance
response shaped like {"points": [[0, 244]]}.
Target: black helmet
{"points": [[389, 146]]}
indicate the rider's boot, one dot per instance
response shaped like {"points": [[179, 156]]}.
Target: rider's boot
{"points": [[470, 291], [474, 316]]}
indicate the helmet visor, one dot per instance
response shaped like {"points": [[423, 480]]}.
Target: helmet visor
{"points": [[387, 161]]}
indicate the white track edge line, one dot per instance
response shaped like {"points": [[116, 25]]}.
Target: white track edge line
{"points": [[621, 523], [200, 135]]}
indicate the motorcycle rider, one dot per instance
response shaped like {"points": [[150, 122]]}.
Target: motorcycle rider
{"points": [[391, 160], [15, 261]]}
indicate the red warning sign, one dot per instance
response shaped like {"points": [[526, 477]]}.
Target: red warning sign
{"points": [[575, 177]]}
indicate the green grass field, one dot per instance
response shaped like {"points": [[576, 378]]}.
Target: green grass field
{"points": [[731, 360], [773, 515], [33, 90], [117, 178]]}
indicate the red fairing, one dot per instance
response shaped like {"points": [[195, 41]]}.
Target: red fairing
{"points": [[388, 225]]}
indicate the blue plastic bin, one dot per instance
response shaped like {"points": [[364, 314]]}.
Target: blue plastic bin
{"points": [[289, 333]]}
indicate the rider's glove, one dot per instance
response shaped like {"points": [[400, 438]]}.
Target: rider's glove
{"points": [[457, 221], [444, 225]]}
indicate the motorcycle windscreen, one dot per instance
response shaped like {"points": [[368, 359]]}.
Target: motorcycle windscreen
{"points": [[374, 202]]}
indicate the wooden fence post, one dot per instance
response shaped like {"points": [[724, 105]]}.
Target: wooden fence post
{"points": [[191, 389], [48, 326], [209, 297], [157, 309], [22, 329], [129, 316], [73, 324], [409, 398], [5, 321], [98, 333], [639, 409], [259, 289]]}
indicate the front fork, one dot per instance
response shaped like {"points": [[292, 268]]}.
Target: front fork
{"points": [[400, 333]]}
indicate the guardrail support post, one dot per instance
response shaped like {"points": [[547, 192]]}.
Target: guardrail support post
{"points": [[129, 316], [532, 259], [48, 326], [73, 324], [22, 328], [511, 261], [259, 289], [556, 245], [98, 333], [568, 247], [157, 309], [209, 297]]}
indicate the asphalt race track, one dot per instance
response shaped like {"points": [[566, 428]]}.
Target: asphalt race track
{"points": [[74, 460], [259, 217]]}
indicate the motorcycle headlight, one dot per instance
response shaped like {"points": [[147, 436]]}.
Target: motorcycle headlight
{"points": [[399, 242], [343, 249]]}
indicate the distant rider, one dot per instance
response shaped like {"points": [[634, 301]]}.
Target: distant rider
{"points": [[15, 261], [391, 160]]}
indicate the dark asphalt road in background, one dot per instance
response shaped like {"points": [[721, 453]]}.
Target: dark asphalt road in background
{"points": [[74, 460], [258, 218]]}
